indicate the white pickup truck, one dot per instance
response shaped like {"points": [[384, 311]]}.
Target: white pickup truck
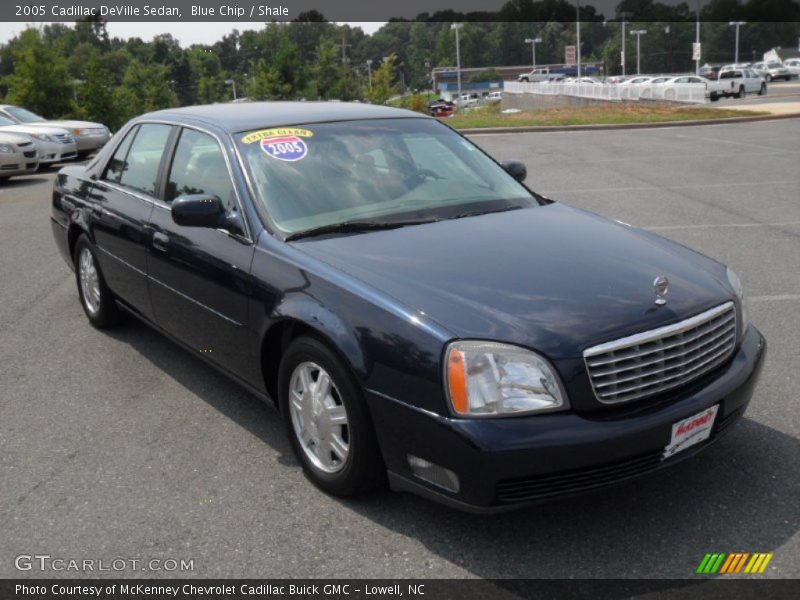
{"points": [[736, 82]]}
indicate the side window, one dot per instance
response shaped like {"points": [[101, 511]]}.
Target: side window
{"points": [[118, 165], [199, 167], [141, 168]]}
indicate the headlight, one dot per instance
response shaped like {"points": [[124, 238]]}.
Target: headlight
{"points": [[6, 149], [485, 379], [43, 137], [736, 284]]}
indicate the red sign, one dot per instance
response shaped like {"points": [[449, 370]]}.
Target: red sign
{"points": [[569, 55]]}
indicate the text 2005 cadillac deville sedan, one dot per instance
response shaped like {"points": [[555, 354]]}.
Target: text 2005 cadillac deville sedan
{"points": [[410, 306]]}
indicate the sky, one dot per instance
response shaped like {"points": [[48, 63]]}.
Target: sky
{"points": [[186, 33]]}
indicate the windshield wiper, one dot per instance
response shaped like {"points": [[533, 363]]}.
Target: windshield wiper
{"points": [[485, 212], [355, 227]]}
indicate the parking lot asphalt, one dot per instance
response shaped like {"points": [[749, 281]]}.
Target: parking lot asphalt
{"points": [[122, 445]]}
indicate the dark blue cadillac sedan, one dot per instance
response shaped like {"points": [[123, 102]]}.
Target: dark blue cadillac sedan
{"points": [[411, 307]]}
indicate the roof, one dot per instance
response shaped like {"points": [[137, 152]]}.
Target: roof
{"points": [[245, 116]]}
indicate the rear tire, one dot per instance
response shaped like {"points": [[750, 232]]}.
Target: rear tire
{"points": [[327, 420], [96, 299], [768, 78], [763, 89], [742, 92]]}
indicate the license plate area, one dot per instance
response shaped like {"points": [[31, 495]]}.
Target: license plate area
{"points": [[691, 431]]}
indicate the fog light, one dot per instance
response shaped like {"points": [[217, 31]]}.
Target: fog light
{"points": [[434, 474]]}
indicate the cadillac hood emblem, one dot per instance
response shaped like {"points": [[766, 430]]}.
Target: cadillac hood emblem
{"points": [[661, 287]]}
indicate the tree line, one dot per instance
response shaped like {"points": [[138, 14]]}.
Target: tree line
{"points": [[81, 71]]}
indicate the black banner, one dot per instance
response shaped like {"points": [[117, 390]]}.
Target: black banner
{"points": [[368, 589], [340, 10]]}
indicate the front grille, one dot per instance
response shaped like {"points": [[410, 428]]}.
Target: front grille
{"points": [[30, 154], [539, 487], [655, 361], [64, 138]]}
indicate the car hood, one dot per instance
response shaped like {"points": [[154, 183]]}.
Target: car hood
{"points": [[12, 137], [553, 277], [31, 128], [75, 124]]}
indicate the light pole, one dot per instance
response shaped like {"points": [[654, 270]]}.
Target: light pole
{"points": [[623, 15], [232, 83], [737, 24], [638, 33], [533, 42], [697, 36], [369, 72], [578, 32], [456, 27]]}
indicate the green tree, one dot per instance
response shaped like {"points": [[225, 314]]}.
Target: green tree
{"points": [[384, 81], [41, 81]]}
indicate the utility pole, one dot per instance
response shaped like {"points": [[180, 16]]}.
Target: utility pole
{"points": [[369, 71], [638, 33], [697, 36], [533, 42], [737, 24], [456, 27], [344, 46]]}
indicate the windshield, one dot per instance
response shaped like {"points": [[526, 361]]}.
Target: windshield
{"points": [[379, 171], [24, 116], [6, 121], [774, 65]]}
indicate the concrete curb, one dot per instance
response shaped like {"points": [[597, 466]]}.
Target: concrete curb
{"points": [[604, 127]]}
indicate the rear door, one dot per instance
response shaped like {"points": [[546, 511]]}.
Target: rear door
{"points": [[199, 277], [122, 201]]}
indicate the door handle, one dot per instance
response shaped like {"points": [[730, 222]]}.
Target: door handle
{"points": [[160, 241]]}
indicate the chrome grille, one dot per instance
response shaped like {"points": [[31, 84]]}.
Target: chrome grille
{"points": [[64, 138], [655, 361]]}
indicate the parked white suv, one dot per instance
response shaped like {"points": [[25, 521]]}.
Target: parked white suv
{"points": [[771, 70]]}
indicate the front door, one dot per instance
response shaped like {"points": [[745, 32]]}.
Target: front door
{"points": [[199, 277]]}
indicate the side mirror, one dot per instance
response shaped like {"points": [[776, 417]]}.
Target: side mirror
{"points": [[516, 169], [198, 210]]}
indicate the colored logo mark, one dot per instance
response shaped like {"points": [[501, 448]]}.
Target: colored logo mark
{"points": [[736, 562]]}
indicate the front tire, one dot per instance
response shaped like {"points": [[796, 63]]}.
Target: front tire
{"points": [[327, 421], [742, 92], [763, 89], [96, 299]]}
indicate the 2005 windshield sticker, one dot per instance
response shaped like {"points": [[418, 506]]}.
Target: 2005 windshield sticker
{"points": [[285, 144]]}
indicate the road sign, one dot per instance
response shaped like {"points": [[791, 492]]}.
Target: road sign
{"points": [[696, 50], [569, 55]]}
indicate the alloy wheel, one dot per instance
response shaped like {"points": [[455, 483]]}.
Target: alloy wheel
{"points": [[90, 281], [319, 418]]}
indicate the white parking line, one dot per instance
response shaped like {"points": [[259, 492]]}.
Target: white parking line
{"points": [[719, 225], [645, 188], [774, 297]]}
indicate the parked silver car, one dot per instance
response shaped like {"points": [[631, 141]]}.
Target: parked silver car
{"points": [[793, 64], [18, 155], [772, 70], [54, 144], [88, 136]]}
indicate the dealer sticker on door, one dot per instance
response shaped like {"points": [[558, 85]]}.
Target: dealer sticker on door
{"points": [[691, 431]]}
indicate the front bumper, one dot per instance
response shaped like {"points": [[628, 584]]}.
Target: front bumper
{"points": [[53, 152], [18, 164], [91, 142], [508, 463]]}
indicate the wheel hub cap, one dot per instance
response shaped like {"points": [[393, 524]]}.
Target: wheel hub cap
{"points": [[90, 282], [319, 418]]}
